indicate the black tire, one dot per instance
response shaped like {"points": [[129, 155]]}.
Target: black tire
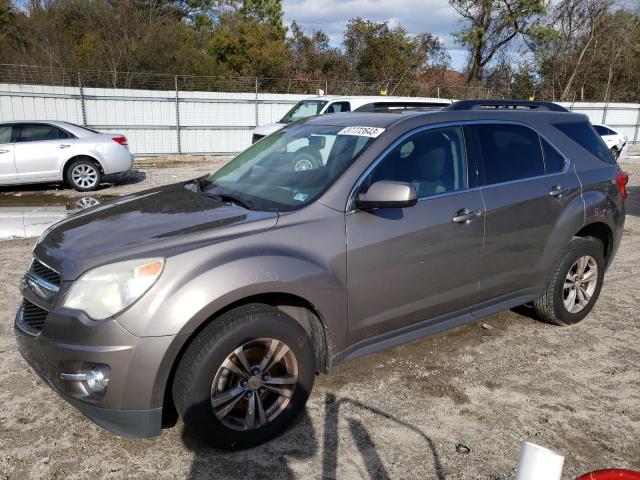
{"points": [[192, 387], [306, 159], [88, 184], [550, 307]]}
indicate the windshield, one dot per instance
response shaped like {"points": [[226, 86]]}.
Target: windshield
{"points": [[303, 109], [289, 168]]}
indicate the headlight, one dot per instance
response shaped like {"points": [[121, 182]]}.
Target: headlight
{"points": [[107, 290]]}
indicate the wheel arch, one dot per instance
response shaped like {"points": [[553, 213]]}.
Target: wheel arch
{"points": [[602, 232], [300, 309], [69, 161]]}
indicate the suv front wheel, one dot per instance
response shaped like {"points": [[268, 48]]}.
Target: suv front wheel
{"points": [[245, 377], [575, 283]]}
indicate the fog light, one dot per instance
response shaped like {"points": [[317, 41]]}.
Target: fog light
{"points": [[98, 378]]}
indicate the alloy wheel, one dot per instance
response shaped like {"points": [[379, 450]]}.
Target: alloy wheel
{"points": [[580, 283], [254, 384], [84, 175]]}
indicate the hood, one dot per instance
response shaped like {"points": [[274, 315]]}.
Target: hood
{"points": [[268, 129], [159, 222]]}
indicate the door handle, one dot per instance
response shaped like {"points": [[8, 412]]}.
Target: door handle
{"points": [[4, 151], [64, 146], [465, 216], [558, 191]]}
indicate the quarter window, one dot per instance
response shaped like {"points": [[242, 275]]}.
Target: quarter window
{"points": [[509, 152], [433, 161], [338, 107], [585, 136]]}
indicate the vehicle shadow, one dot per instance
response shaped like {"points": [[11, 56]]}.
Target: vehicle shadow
{"points": [[632, 203], [301, 441]]}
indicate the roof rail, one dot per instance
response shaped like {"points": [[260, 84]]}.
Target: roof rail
{"points": [[505, 104]]}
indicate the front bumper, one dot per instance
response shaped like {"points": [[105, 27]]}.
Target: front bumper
{"points": [[132, 403]]}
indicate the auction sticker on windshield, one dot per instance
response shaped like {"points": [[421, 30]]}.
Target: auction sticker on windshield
{"points": [[373, 132]]}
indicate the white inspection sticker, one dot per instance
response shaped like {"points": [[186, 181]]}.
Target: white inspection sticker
{"points": [[373, 132]]}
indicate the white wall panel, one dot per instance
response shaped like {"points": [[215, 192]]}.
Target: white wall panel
{"points": [[210, 122]]}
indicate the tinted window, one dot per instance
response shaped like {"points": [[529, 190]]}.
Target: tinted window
{"points": [[585, 136], [509, 152], [338, 107], [35, 133], [303, 109], [432, 160], [552, 159], [5, 134], [602, 130]]}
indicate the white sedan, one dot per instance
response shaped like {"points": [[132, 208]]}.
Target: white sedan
{"points": [[614, 139], [39, 152]]}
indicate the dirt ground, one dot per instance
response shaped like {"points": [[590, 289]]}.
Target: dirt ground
{"points": [[406, 412]]}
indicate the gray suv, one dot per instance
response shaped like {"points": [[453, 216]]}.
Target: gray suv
{"points": [[221, 298]]}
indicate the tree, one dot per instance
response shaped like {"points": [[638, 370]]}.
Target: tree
{"points": [[490, 25]]}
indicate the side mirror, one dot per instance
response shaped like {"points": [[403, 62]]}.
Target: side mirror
{"points": [[387, 194]]}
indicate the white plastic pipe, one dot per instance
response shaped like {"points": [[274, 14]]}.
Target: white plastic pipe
{"points": [[538, 463]]}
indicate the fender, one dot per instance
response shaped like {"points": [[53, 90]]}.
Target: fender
{"points": [[568, 224]]}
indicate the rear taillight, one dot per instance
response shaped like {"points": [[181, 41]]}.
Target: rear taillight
{"points": [[121, 140], [622, 178]]}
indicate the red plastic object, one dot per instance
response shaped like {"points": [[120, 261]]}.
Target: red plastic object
{"points": [[622, 178], [612, 474]]}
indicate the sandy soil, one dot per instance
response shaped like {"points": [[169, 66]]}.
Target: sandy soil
{"points": [[395, 414]]}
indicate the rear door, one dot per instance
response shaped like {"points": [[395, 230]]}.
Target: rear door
{"points": [[8, 172], [38, 150], [408, 265], [526, 185]]}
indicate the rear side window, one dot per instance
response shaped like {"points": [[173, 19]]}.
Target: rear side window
{"points": [[602, 130], [585, 136], [36, 133], [5, 134], [509, 152], [553, 161]]}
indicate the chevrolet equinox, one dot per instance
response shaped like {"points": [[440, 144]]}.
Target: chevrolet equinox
{"points": [[221, 298]]}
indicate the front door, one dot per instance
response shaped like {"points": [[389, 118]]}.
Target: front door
{"points": [[413, 264], [38, 150], [7, 166]]}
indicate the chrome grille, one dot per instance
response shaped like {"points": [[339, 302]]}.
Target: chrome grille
{"points": [[46, 273], [33, 315]]}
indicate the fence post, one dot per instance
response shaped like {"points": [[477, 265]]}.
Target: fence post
{"points": [[604, 112], [438, 91], [178, 118], [83, 107], [256, 86], [635, 134]]}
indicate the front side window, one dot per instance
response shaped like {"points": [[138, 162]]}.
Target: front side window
{"points": [[509, 152], [5, 134], [303, 109], [584, 135], [433, 161], [288, 169], [37, 133], [337, 107]]}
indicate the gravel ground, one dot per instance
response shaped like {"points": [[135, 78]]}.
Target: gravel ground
{"points": [[400, 413]]}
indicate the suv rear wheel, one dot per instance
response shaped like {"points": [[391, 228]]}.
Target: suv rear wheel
{"points": [[245, 377], [575, 283]]}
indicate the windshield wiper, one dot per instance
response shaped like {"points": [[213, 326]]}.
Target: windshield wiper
{"points": [[225, 197]]}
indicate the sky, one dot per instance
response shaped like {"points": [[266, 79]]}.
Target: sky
{"points": [[417, 16]]}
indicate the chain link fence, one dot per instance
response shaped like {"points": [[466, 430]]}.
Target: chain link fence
{"points": [[163, 114]]}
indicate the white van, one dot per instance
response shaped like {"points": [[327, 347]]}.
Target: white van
{"points": [[337, 104]]}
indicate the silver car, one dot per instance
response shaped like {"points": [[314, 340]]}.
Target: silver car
{"points": [[37, 152]]}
